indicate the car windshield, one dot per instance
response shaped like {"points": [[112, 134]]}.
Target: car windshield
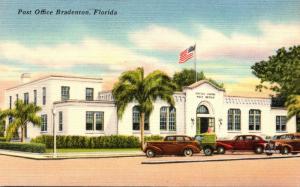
{"points": [[170, 138]]}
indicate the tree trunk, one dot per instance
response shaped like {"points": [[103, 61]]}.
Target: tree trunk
{"points": [[142, 122], [22, 134]]}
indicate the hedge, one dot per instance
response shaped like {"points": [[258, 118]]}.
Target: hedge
{"points": [[2, 139], [153, 138], [26, 147], [114, 141]]}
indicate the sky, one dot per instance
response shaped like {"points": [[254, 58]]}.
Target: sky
{"points": [[230, 36]]}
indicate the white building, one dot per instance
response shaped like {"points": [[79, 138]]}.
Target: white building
{"points": [[80, 107]]}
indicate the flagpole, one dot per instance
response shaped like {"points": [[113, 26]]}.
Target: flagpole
{"points": [[195, 59]]}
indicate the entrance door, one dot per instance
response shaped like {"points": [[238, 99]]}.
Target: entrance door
{"points": [[202, 125]]}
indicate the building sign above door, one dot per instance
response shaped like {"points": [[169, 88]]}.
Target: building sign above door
{"points": [[203, 95]]}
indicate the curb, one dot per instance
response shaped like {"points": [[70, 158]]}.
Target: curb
{"points": [[215, 160], [62, 157]]}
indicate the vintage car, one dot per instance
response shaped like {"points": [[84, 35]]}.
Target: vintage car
{"points": [[284, 144], [207, 142], [172, 145], [242, 143]]}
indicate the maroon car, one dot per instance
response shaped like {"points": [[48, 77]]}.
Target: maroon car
{"points": [[284, 144], [172, 145], [242, 143]]}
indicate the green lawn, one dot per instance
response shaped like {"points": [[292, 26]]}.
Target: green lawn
{"points": [[72, 150]]}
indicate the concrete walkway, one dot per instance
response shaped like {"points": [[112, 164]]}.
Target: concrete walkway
{"points": [[73, 155]]}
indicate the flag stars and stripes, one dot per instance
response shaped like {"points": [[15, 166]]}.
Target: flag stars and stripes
{"points": [[187, 54]]}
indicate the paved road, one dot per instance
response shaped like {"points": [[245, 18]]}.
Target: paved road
{"points": [[130, 172]]}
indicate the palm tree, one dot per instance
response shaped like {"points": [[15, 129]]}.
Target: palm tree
{"points": [[133, 86], [293, 105], [22, 115], [2, 122]]}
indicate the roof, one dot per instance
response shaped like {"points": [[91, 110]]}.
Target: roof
{"points": [[84, 101], [55, 76], [196, 84], [250, 97]]}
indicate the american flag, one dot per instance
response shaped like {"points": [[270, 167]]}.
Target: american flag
{"points": [[186, 54]]}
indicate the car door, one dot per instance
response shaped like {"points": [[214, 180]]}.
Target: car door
{"points": [[169, 146], [239, 143], [248, 143]]}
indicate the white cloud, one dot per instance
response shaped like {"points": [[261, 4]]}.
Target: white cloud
{"points": [[88, 51], [213, 44], [156, 37]]}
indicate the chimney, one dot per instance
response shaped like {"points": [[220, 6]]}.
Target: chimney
{"points": [[25, 77]]}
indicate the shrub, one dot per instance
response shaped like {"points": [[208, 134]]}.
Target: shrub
{"points": [[153, 138], [26, 147], [113, 141], [2, 139]]}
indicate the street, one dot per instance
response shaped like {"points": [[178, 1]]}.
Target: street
{"points": [[130, 172]]}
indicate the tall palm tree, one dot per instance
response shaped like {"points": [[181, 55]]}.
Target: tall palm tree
{"points": [[22, 114], [134, 86], [293, 105], [2, 122]]}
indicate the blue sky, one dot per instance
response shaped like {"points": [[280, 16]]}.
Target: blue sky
{"points": [[230, 36]]}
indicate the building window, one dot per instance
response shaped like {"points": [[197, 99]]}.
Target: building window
{"points": [[10, 102], [136, 119], [254, 120], [26, 98], [17, 97], [280, 123], [44, 123], [172, 119], [65, 93], [89, 94], [234, 119], [10, 119], [60, 121], [167, 119], [202, 110], [34, 97], [44, 95], [94, 121], [163, 118]]}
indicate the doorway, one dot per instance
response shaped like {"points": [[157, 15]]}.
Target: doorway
{"points": [[203, 123]]}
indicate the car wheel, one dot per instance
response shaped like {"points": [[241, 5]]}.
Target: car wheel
{"points": [[208, 151], [221, 150], [285, 151], [259, 150], [188, 152], [150, 153], [269, 154]]}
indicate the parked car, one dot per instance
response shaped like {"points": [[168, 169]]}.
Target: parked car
{"points": [[207, 142], [242, 143], [172, 145], [284, 144]]}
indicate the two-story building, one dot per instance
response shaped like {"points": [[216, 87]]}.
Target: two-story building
{"points": [[78, 106]]}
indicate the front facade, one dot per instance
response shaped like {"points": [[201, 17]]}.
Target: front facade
{"points": [[78, 106]]}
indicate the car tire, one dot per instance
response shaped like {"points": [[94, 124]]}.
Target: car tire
{"points": [[269, 154], [221, 150], [285, 150], [188, 152], [150, 153], [208, 151], [259, 150]]}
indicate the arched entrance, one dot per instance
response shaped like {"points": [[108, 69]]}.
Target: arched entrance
{"points": [[204, 118]]}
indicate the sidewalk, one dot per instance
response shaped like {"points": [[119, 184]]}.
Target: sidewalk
{"points": [[73, 155]]}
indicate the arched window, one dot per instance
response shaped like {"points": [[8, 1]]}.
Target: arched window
{"points": [[167, 119], [136, 119], [234, 119], [202, 110], [254, 120], [172, 119], [163, 118]]}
